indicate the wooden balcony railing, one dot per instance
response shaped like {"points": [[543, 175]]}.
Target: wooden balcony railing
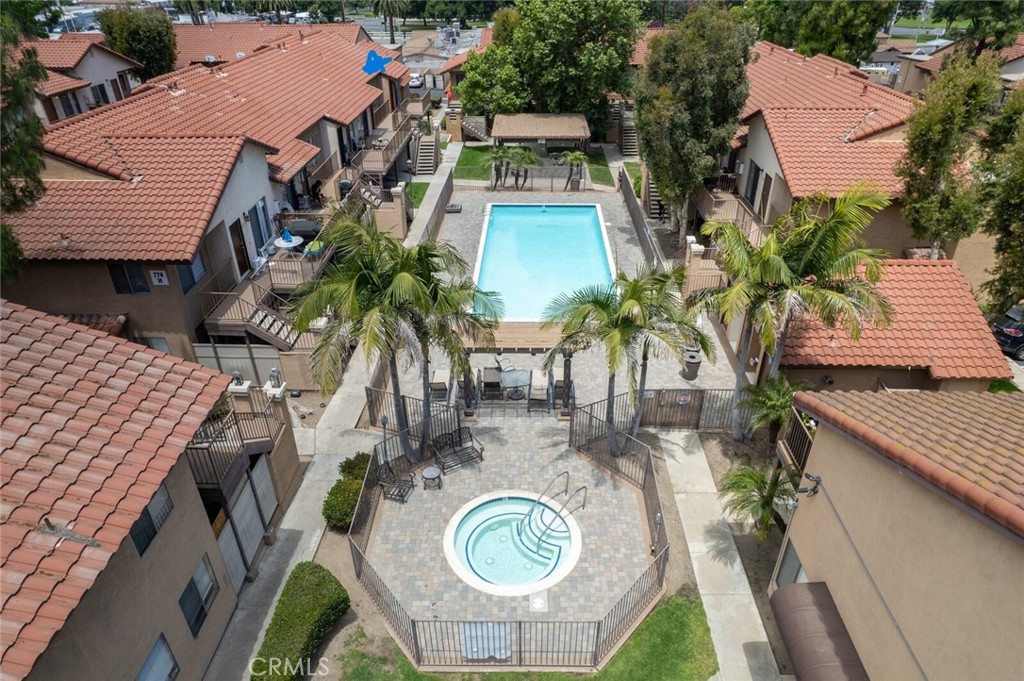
{"points": [[716, 204], [795, 445]]}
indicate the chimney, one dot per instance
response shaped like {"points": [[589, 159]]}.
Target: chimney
{"points": [[865, 90]]}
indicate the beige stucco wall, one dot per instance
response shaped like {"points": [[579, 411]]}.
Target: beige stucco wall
{"points": [[135, 599], [862, 378], [975, 255], [889, 231], [952, 579]]}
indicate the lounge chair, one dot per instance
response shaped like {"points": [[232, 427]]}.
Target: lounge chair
{"points": [[490, 382], [395, 488], [456, 449], [440, 385], [540, 391]]}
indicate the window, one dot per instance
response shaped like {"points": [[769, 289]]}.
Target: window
{"points": [[126, 86], [198, 596], [151, 519], [188, 275], [790, 569], [160, 665], [128, 278], [69, 103], [99, 94], [155, 342]]}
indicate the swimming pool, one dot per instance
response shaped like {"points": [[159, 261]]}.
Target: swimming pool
{"points": [[511, 543], [530, 253]]}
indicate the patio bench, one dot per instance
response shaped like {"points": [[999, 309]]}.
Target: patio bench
{"points": [[453, 208], [395, 488], [456, 449]]}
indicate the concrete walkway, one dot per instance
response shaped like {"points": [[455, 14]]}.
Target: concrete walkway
{"points": [[741, 643], [418, 228]]}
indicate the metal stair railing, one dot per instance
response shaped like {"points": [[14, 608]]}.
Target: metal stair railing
{"points": [[526, 516], [558, 514]]}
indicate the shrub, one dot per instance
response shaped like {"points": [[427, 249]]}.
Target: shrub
{"points": [[312, 601], [340, 504], [638, 185], [355, 468], [435, 102], [444, 123]]}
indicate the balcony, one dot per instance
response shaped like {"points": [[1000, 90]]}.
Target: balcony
{"points": [[795, 445], [219, 451], [385, 144], [717, 200], [417, 105]]}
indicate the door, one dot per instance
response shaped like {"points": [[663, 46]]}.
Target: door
{"points": [[232, 557], [247, 520], [765, 194], [238, 246], [117, 91], [755, 176], [264, 488]]}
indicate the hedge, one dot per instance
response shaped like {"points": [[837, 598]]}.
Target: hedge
{"points": [[340, 504], [311, 603]]}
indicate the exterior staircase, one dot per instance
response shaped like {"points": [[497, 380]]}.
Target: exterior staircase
{"points": [[271, 326], [629, 143], [475, 126], [426, 155], [653, 199]]}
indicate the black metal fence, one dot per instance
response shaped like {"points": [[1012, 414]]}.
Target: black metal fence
{"points": [[512, 643], [691, 408]]}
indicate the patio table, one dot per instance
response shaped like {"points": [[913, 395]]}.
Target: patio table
{"points": [[432, 478], [513, 383]]}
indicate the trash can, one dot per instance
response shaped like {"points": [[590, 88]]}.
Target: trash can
{"points": [[344, 187], [691, 366]]}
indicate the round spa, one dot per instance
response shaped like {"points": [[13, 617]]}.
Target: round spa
{"points": [[512, 543]]}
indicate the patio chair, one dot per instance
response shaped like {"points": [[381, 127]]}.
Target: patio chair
{"points": [[395, 488], [540, 391], [440, 385], [504, 363], [456, 449], [490, 383]]}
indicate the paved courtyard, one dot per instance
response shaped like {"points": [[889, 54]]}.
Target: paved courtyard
{"points": [[520, 454]]}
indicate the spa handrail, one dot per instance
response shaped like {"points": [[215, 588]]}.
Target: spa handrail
{"points": [[542, 494], [558, 515]]}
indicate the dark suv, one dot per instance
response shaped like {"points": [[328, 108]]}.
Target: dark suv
{"points": [[1009, 332]]}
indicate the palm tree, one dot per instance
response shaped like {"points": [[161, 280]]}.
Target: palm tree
{"points": [[664, 325], [754, 493], [366, 296], [498, 156], [573, 158], [521, 159], [811, 262], [771, 404], [455, 309], [389, 9]]}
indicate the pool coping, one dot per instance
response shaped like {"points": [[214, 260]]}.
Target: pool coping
{"points": [[609, 258], [512, 590]]}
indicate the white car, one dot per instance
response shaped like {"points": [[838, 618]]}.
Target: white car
{"points": [[415, 80]]}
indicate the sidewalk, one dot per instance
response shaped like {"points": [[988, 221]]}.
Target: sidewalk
{"points": [[449, 157], [741, 644]]}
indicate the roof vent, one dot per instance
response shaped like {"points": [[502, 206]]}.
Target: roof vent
{"points": [[65, 241], [209, 59], [66, 533], [239, 55], [865, 90]]}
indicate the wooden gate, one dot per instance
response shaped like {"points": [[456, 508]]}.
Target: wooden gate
{"points": [[672, 408]]}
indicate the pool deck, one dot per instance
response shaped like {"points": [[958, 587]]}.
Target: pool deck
{"points": [[522, 454]]}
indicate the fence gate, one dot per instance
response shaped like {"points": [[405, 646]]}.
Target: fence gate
{"points": [[264, 487], [232, 558], [672, 408]]}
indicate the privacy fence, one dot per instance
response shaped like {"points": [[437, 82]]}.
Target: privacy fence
{"points": [[509, 643]]}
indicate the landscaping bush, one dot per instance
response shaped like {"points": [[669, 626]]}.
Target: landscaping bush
{"points": [[444, 123], [312, 601], [638, 186], [355, 468], [435, 102], [340, 504]]}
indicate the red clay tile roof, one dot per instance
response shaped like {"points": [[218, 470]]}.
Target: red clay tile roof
{"points": [[937, 325], [640, 50], [1011, 53], [966, 444], [829, 113], [486, 38], [57, 83], [90, 37], [224, 41], [271, 97], [64, 55], [113, 324], [153, 211], [91, 426]]}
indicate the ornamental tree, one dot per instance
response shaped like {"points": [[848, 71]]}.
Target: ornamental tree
{"points": [[145, 35]]}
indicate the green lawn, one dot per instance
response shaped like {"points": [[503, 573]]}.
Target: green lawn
{"points": [[416, 191], [633, 169], [473, 164], [674, 642], [444, 144], [927, 23], [598, 166]]}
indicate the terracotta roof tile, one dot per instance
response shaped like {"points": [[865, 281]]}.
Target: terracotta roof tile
{"points": [[640, 50], [937, 325], [57, 83], [89, 37], [966, 444], [114, 324], [154, 217], [527, 126], [454, 62], [228, 42], [1011, 53], [99, 483], [64, 55]]}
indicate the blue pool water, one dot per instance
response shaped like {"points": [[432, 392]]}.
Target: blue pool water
{"points": [[492, 541], [532, 253]]}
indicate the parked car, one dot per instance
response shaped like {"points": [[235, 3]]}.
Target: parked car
{"points": [[1009, 332], [415, 80]]}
